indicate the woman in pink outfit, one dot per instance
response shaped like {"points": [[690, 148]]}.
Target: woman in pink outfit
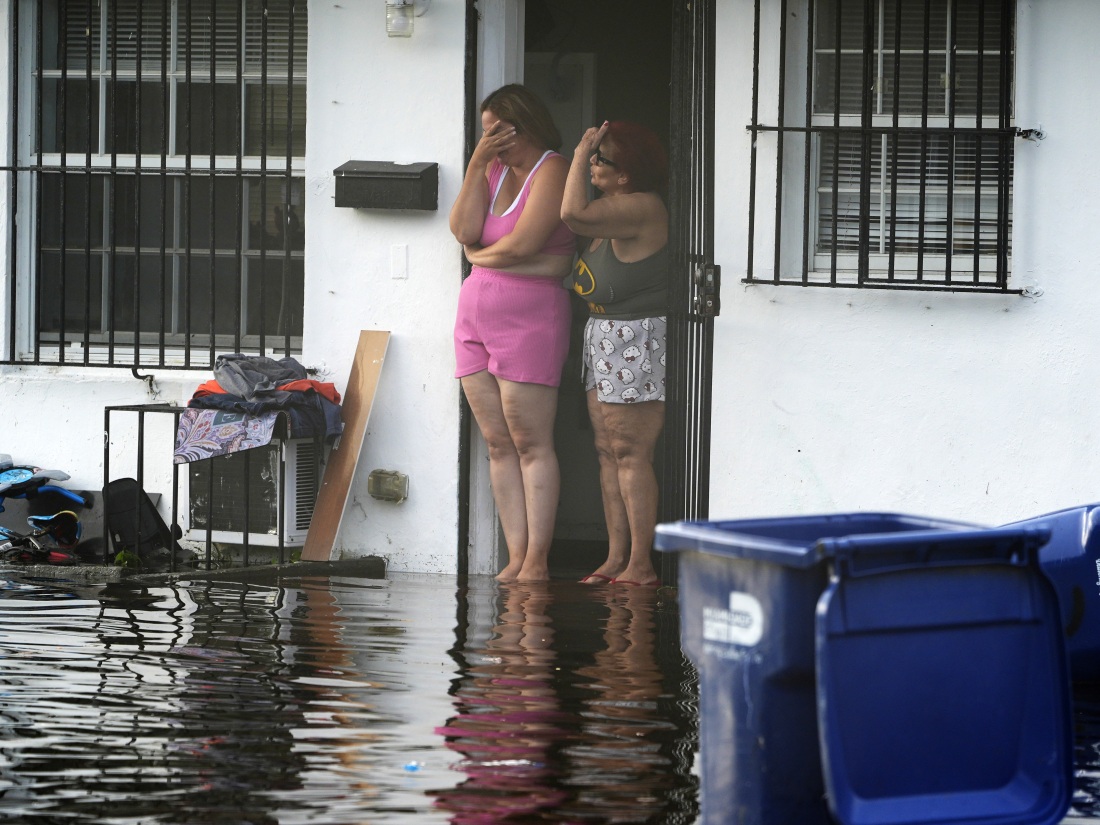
{"points": [[512, 329]]}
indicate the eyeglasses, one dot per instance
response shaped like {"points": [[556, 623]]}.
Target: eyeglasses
{"points": [[605, 161]]}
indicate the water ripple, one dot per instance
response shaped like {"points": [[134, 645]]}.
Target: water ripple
{"points": [[342, 700]]}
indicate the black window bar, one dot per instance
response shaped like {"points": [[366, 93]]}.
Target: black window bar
{"points": [[163, 174], [231, 500], [893, 144]]}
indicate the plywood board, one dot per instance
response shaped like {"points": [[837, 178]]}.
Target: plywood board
{"points": [[356, 404]]}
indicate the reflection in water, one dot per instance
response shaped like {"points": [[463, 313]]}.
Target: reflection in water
{"points": [[509, 719], [416, 699], [619, 765], [551, 731], [320, 701], [1086, 711], [107, 706]]}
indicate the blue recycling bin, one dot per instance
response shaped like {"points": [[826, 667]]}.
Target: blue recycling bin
{"points": [[1071, 559], [874, 668]]}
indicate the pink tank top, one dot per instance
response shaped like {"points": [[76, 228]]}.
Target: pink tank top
{"points": [[561, 241]]}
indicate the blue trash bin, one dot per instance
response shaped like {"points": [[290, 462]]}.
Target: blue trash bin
{"points": [[749, 594], [1071, 559], [942, 684]]}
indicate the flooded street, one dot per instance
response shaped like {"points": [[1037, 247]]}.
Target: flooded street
{"points": [[402, 700], [350, 700]]}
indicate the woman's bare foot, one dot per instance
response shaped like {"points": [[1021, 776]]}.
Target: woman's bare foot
{"points": [[534, 572], [595, 578], [603, 574], [511, 572], [638, 574]]}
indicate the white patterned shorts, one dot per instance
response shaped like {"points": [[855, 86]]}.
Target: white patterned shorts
{"points": [[624, 361]]}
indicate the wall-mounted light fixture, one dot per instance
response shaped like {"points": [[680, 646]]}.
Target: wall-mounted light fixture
{"points": [[399, 18], [400, 14]]}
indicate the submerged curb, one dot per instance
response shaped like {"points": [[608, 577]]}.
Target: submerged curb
{"points": [[371, 567]]}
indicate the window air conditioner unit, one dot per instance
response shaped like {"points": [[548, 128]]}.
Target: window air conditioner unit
{"points": [[222, 507]]}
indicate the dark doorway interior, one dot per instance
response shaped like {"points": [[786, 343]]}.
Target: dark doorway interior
{"points": [[632, 43], [593, 62]]}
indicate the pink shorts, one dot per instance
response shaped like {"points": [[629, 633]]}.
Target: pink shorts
{"points": [[515, 326]]}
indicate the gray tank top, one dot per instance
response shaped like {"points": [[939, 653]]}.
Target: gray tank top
{"points": [[622, 291]]}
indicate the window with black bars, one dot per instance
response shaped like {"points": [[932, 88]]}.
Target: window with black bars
{"points": [[893, 144], [160, 158]]}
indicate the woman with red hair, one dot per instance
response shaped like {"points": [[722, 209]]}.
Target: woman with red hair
{"points": [[623, 274]]}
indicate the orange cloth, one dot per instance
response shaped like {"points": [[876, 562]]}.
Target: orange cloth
{"points": [[325, 388], [210, 387]]}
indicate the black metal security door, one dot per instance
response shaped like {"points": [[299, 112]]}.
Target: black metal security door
{"points": [[685, 481]]}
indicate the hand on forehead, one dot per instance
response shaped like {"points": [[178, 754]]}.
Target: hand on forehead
{"points": [[490, 122]]}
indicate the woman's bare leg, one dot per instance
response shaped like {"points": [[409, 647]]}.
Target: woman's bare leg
{"points": [[614, 510], [529, 410], [483, 393], [632, 432]]}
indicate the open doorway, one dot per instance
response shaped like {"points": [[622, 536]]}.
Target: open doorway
{"points": [[590, 63]]}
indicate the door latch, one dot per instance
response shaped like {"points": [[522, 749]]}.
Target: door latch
{"points": [[708, 282]]}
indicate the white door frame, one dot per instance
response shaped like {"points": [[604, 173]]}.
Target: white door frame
{"points": [[499, 61]]}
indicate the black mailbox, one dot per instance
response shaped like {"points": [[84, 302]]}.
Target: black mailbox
{"points": [[381, 184]]}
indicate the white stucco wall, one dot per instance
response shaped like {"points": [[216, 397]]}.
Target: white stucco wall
{"points": [[980, 407], [953, 405], [370, 97], [390, 99]]}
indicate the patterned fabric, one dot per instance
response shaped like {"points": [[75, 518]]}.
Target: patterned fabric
{"points": [[208, 433], [624, 361]]}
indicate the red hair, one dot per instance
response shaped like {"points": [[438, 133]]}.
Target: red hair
{"points": [[640, 154]]}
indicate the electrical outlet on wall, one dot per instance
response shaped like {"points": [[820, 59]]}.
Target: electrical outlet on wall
{"points": [[399, 261]]}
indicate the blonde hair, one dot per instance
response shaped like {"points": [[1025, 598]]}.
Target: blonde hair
{"points": [[523, 109]]}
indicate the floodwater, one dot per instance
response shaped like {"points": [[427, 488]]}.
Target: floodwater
{"points": [[411, 699]]}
